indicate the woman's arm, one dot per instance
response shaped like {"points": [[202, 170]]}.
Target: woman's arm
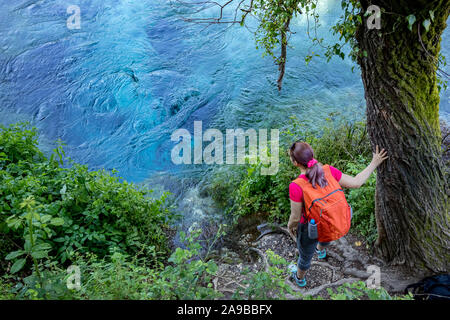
{"points": [[357, 181], [296, 213]]}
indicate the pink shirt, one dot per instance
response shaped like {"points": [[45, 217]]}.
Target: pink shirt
{"points": [[296, 193]]}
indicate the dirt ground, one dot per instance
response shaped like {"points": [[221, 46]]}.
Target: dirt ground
{"points": [[348, 260]]}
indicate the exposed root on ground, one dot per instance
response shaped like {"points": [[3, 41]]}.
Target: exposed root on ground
{"points": [[263, 257], [317, 290], [347, 261]]}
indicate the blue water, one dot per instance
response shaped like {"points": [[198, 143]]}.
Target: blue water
{"points": [[116, 89]]}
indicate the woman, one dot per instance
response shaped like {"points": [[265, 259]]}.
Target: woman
{"points": [[302, 156]]}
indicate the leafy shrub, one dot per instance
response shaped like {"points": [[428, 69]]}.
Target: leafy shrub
{"points": [[6, 289], [75, 209], [190, 275], [267, 284], [338, 144], [119, 276], [116, 277], [18, 143]]}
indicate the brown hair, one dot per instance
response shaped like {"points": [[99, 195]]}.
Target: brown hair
{"points": [[302, 153]]}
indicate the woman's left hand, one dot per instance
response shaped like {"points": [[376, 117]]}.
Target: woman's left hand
{"points": [[292, 227]]}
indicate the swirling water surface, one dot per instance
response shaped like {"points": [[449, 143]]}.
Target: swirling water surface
{"points": [[116, 89]]}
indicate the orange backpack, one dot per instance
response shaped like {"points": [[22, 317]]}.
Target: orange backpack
{"points": [[327, 206]]}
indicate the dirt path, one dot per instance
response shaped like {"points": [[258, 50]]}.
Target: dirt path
{"points": [[348, 260]]}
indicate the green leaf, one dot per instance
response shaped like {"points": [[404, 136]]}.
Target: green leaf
{"points": [[432, 15], [46, 218], [14, 254], [57, 221], [13, 223], [39, 254], [427, 24], [42, 246], [18, 265], [411, 19], [212, 268], [27, 246]]}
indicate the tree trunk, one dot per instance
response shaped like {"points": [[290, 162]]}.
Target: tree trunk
{"points": [[399, 74]]}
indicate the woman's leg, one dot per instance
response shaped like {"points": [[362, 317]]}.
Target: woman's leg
{"points": [[306, 249], [322, 245]]}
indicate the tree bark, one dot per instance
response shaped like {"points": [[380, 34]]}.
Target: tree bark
{"points": [[398, 69]]}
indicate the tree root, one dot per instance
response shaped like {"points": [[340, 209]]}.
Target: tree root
{"points": [[274, 228], [263, 257], [226, 290], [350, 264], [350, 254], [317, 290], [335, 255], [356, 273]]}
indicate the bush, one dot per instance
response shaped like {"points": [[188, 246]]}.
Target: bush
{"points": [[71, 209], [118, 276], [339, 145], [267, 284], [18, 143], [244, 191]]}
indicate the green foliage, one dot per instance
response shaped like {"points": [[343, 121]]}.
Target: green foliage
{"points": [[18, 143], [346, 28], [339, 144], [48, 210], [336, 143], [37, 229], [268, 284], [411, 20], [6, 289], [220, 183], [116, 277], [121, 277], [273, 17], [190, 275]]}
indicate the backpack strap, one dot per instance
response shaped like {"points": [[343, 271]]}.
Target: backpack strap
{"points": [[327, 171], [302, 183], [329, 176]]}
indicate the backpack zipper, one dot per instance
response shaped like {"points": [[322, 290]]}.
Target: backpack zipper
{"points": [[318, 199]]}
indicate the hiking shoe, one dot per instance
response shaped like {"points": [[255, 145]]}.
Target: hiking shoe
{"points": [[300, 282], [321, 254]]}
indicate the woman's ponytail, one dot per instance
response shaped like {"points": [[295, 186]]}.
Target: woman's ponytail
{"points": [[316, 175], [303, 154]]}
